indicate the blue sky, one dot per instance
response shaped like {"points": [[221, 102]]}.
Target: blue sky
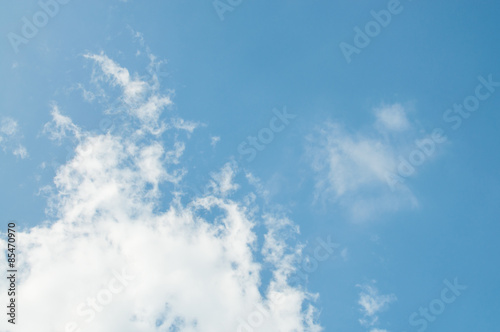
{"points": [[330, 130]]}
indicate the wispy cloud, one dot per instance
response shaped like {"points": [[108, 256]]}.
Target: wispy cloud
{"points": [[61, 126], [372, 303], [9, 126], [392, 117], [140, 99], [10, 138], [214, 140], [357, 168]]}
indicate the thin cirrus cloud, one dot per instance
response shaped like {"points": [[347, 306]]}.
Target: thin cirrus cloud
{"points": [[356, 169], [115, 259]]}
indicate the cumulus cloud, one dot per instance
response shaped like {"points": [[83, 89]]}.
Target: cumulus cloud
{"points": [[360, 170], [10, 138], [119, 255], [372, 303]]}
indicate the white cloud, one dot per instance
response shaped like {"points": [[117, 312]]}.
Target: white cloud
{"points": [[21, 152], [392, 117], [356, 169], [10, 138], [86, 94], [372, 303], [181, 124], [188, 272], [133, 88], [61, 126], [8, 127], [260, 189], [141, 100], [223, 181], [214, 140]]}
